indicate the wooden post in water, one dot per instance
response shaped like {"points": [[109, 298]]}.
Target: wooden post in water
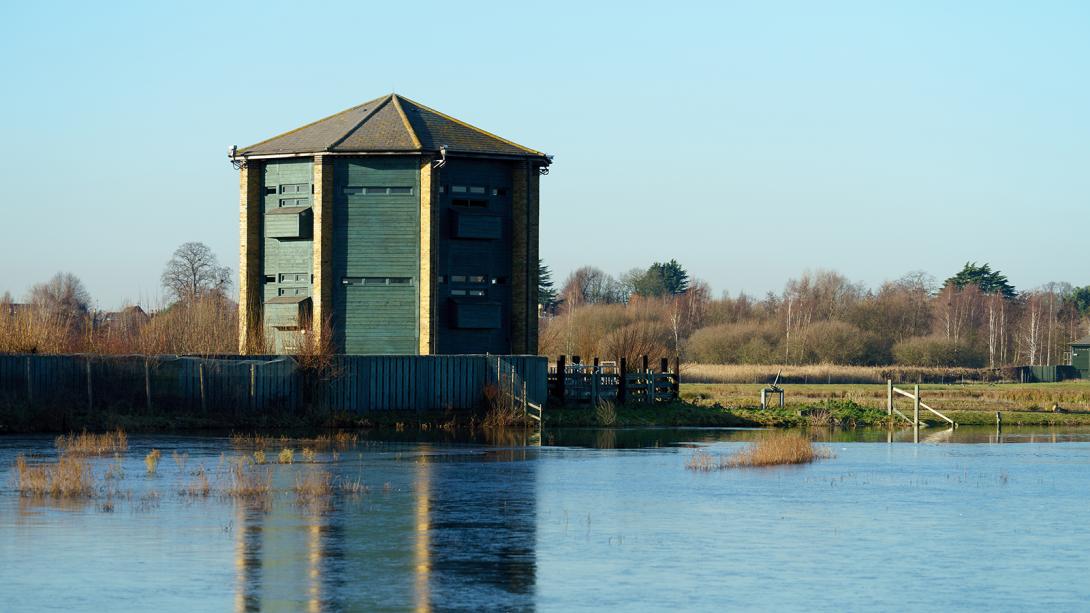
{"points": [[622, 383], [90, 393], [998, 422], [147, 385], [889, 399]]}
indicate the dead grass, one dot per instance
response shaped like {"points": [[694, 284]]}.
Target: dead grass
{"points": [[151, 461], [312, 485], [779, 449], [503, 410], [89, 443], [828, 373], [287, 456], [248, 481], [68, 477], [197, 486]]}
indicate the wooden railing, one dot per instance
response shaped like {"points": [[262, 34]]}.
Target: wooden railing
{"points": [[917, 404], [612, 381]]}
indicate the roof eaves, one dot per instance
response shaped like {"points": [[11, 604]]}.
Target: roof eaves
{"points": [[476, 129], [289, 132]]}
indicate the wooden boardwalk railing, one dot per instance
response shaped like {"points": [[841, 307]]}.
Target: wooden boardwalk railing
{"points": [[612, 381]]}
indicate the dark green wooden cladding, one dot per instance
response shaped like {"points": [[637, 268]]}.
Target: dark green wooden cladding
{"points": [[474, 256], [1080, 359], [376, 234], [246, 385], [288, 248], [288, 222]]}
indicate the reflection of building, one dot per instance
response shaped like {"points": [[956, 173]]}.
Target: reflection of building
{"points": [[450, 533], [404, 230]]}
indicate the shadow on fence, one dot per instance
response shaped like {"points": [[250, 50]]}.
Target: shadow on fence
{"points": [[254, 385]]}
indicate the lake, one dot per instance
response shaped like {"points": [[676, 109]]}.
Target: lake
{"points": [[575, 520]]}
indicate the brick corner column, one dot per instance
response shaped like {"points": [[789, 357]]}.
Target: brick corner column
{"points": [[249, 266], [322, 287], [428, 254]]}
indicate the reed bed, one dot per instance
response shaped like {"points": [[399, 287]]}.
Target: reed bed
{"points": [[248, 481], [68, 477], [830, 373], [313, 485], [151, 461], [776, 450], [89, 443], [771, 451]]}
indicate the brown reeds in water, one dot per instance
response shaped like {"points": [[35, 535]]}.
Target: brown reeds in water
{"points": [[248, 481], [771, 451], [90, 443], [68, 477], [781, 449], [313, 485]]}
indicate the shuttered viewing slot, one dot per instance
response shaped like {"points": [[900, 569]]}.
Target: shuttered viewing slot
{"points": [[468, 225], [476, 314], [287, 311], [288, 222]]}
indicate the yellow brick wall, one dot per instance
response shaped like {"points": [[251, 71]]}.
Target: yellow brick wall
{"points": [[426, 282], [250, 333]]}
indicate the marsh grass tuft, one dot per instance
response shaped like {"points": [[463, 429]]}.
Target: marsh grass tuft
{"points": [[309, 455], [248, 481], [312, 485], [68, 477], [259, 456], [198, 486], [287, 456], [89, 443], [605, 413], [779, 449], [151, 461]]}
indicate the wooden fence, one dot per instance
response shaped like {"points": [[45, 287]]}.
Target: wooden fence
{"points": [[613, 381], [256, 384]]}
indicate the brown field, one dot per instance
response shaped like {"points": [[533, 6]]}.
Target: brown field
{"points": [[830, 373]]}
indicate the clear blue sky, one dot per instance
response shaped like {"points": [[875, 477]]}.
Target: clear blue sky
{"points": [[750, 141]]}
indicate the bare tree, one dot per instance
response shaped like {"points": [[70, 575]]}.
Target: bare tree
{"points": [[63, 296], [194, 273]]}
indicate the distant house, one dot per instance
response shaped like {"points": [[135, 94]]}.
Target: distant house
{"points": [[395, 227], [1080, 356], [130, 318]]}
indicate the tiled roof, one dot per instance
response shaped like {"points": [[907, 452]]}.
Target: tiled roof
{"points": [[389, 124]]}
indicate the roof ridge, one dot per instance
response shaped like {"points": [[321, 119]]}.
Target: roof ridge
{"points": [[405, 120], [385, 99], [473, 127], [348, 110]]}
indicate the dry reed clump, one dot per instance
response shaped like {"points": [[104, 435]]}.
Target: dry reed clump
{"points": [[313, 485], [780, 449], [151, 461], [309, 455], [259, 457], [69, 477], [88, 443], [287, 456], [605, 413], [198, 486], [247, 481], [704, 462], [503, 411]]}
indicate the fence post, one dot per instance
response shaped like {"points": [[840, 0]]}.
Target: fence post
{"points": [[147, 385], [889, 397], [916, 412], [200, 381], [646, 366], [90, 393], [561, 368], [253, 387], [622, 382], [677, 377]]}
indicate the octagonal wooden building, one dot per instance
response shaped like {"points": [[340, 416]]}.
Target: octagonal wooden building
{"points": [[389, 228]]}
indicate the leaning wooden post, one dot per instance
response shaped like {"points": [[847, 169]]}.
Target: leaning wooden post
{"points": [[622, 382], [889, 398], [90, 392]]}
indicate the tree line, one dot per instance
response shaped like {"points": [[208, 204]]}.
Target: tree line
{"points": [[974, 318]]}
